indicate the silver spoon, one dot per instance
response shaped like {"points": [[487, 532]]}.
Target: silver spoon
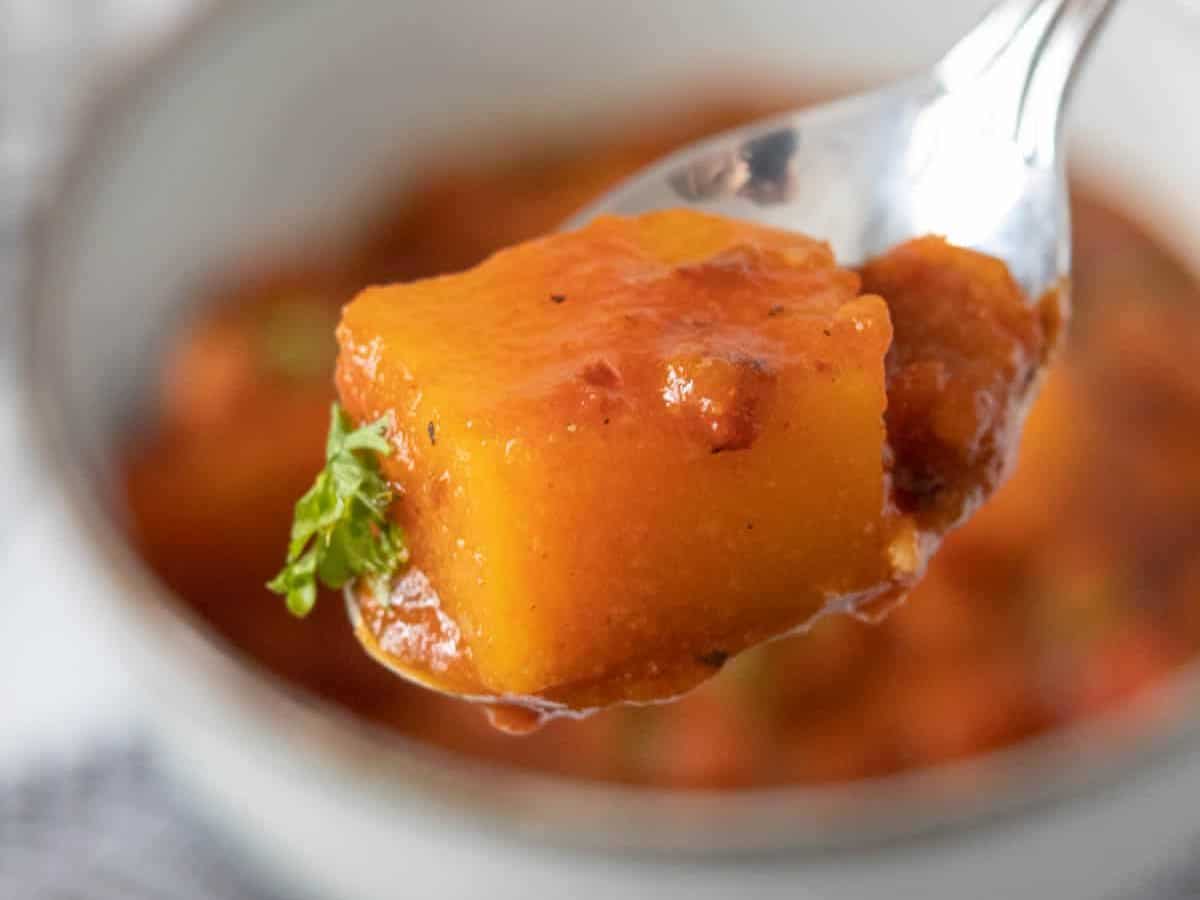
{"points": [[518, 714], [970, 150]]}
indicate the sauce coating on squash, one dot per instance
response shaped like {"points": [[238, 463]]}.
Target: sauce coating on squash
{"points": [[966, 352], [627, 453]]}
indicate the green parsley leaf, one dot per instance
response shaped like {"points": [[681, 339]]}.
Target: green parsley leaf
{"points": [[340, 529]]}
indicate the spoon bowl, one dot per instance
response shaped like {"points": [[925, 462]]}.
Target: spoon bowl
{"points": [[969, 150], [517, 714]]}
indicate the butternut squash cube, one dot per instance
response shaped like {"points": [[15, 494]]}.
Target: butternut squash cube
{"points": [[625, 453]]}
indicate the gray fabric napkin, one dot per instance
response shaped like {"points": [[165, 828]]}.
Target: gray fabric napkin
{"points": [[111, 827]]}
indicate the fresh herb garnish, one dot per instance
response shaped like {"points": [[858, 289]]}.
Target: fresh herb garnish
{"points": [[340, 530]]}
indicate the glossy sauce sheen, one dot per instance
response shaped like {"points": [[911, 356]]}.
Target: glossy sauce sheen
{"points": [[627, 453], [1071, 592]]}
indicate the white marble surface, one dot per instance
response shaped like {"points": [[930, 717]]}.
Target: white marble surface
{"points": [[63, 689]]}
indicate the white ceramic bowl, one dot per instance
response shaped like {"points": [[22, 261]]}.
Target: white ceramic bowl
{"points": [[270, 121]]}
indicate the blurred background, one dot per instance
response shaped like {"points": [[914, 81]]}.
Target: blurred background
{"points": [[82, 812], [54, 54], [1066, 609]]}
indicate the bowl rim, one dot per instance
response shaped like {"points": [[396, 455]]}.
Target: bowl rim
{"points": [[1035, 774]]}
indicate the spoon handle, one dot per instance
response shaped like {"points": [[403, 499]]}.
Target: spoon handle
{"points": [[1021, 61]]}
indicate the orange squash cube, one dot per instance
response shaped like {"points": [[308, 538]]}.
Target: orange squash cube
{"points": [[625, 453]]}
